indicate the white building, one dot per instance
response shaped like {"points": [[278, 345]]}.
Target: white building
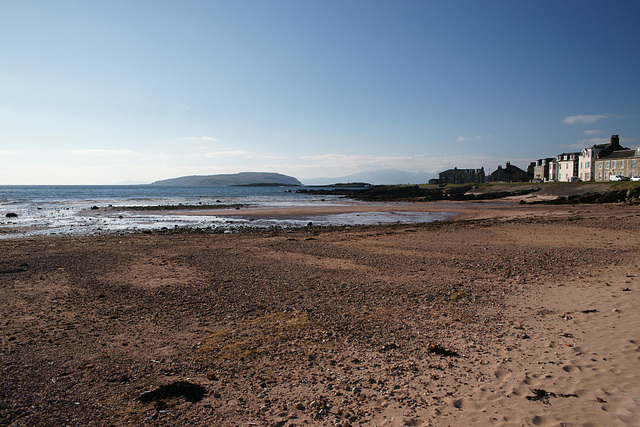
{"points": [[553, 170], [567, 166]]}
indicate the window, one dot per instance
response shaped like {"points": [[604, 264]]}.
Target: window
{"points": [[621, 164], [606, 164], [613, 164], [633, 163]]}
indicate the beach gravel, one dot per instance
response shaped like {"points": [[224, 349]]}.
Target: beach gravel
{"points": [[384, 325]]}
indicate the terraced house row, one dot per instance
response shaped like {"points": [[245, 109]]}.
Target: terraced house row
{"points": [[600, 162]]}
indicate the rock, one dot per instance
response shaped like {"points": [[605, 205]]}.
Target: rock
{"points": [[11, 215]]}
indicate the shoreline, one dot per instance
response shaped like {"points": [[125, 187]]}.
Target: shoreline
{"points": [[110, 220], [453, 322], [459, 210]]}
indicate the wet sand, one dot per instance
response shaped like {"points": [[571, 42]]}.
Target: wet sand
{"points": [[506, 208], [506, 315]]}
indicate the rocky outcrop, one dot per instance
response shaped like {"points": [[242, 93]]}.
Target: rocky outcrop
{"points": [[556, 193], [415, 193], [628, 196]]}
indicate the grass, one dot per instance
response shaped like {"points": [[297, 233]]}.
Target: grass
{"points": [[626, 185]]}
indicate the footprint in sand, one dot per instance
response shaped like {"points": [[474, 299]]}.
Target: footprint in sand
{"points": [[501, 374], [629, 409], [572, 368]]}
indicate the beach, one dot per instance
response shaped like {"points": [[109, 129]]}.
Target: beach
{"points": [[503, 314]]}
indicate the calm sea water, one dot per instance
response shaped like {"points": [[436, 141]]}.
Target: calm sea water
{"points": [[66, 210]]}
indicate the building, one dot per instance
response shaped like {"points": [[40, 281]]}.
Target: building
{"points": [[553, 171], [620, 162], [541, 169], [531, 169], [567, 166], [588, 157], [462, 176], [509, 173]]}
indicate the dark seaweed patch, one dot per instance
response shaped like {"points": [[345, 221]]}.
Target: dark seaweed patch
{"points": [[541, 395], [436, 349], [191, 392]]}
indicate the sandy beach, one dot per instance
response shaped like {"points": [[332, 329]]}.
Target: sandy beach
{"points": [[506, 314]]}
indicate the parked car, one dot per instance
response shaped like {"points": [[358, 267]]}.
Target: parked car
{"points": [[618, 178], [635, 178], [575, 179]]}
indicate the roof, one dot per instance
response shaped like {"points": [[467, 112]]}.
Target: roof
{"points": [[576, 154], [620, 154], [456, 170]]}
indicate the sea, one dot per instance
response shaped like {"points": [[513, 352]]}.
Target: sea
{"points": [[38, 210]]}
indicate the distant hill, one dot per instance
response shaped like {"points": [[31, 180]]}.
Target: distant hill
{"points": [[243, 178], [378, 177]]}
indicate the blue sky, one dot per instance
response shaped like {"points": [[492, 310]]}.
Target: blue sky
{"points": [[103, 92]]}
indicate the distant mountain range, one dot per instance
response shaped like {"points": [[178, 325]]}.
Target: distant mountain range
{"points": [[243, 178], [378, 177]]}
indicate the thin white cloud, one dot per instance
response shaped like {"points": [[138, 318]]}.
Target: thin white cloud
{"points": [[471, 138], [468, 138], [199, 138], [583, 118], [102, 152], [339, 165], [227, 153], [273, 157], [592, 132], [357, 160]]}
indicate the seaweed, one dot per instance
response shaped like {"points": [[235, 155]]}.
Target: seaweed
{"points": [[436, 349], [542, 395], [191, 392]]}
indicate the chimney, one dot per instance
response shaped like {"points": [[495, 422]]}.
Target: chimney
{"points": [[615, 140]]}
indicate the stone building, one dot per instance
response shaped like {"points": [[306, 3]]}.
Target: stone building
{"points": [[462, 176], [588, 157], [625, 163], [510, 173], [541, 169]]}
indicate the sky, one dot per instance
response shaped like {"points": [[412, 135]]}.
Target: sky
{"points": [[134, 91]]}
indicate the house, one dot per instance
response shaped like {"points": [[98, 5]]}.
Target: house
{"points": [[567, 166], [509, 173], [462, 176], [620, 162], [531, 169], [541, 169], [553, 170], [588, 157]]}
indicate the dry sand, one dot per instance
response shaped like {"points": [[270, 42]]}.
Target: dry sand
{"points": [[507, 315]]}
